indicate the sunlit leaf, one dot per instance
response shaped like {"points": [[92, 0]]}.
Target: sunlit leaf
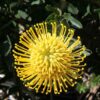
{"points": [[29, 19], [2, 76], [81, 88], [36, 2], [72, 20], [21, 14]]}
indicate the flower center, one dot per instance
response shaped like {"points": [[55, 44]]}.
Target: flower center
{"points": [[48, 51]]}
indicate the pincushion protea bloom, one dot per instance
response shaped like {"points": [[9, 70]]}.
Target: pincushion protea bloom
{"points": [[48, 59]]}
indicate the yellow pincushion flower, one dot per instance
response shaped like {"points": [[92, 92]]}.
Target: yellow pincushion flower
{"points": [[48, 58]]}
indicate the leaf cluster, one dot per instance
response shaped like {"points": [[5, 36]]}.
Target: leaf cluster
{"points": [[92, 82]]}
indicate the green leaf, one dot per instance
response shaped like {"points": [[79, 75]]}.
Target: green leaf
{"points": [[72, 9], [99, 15], [97, 10], [87, 11], [49, 8], [37, 2], [81, 88], [53, 9], [14, 23], [72, 20], [87, 52], [13, 4], [52, 16], [29, 19], [7, 46], [21, 14], [95, 80]]}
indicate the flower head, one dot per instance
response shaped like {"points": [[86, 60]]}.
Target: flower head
{"points": [[48, 59]]}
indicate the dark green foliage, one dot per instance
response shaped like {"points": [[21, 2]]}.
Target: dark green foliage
{"points": [[58, 15]]}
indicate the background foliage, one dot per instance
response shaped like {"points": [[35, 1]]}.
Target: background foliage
{"points": [[18, 15]]}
